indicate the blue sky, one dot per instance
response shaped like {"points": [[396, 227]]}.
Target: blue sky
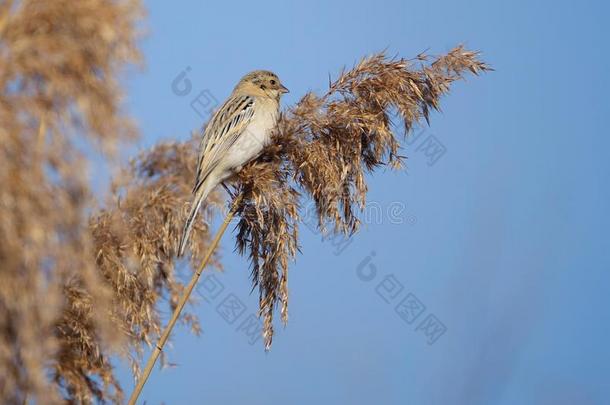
{"points": [[502, 243]]}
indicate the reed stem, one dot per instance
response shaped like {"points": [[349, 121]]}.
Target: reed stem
{"points": [[183, 300]]}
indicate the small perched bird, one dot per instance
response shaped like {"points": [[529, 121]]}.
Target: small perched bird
{"points": [[235, 135]]}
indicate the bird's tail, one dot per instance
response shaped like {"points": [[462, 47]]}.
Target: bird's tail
{"points": [[200, 196]]}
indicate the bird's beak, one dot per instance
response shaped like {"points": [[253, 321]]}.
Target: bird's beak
{"points": [[283, 89]]}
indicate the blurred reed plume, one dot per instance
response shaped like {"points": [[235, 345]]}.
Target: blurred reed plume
{"points": [[81, 284], [68, 281]]}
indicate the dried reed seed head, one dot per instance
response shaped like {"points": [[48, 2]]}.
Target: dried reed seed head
{"points": [[323, 148], [58, 81]]}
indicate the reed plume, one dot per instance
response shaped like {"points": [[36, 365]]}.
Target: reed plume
{"points": [[322, 150], [60, 99]]}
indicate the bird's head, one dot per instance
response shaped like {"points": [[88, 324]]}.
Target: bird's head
{"points": [[262, 83]]}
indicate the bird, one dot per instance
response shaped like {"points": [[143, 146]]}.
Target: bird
{"points": [[235, 135]]}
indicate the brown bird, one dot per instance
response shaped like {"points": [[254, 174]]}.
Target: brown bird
{"points": [[236, 134]]}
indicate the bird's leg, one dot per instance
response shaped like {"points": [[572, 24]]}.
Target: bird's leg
{"points": [[231, 194]]}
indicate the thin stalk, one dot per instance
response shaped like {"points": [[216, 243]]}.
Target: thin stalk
{"points": [[185, 296]]}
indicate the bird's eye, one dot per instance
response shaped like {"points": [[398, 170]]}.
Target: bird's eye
{"points": [[272, 82]]}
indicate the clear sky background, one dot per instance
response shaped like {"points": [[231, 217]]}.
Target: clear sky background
{"points": [[504, 240]]}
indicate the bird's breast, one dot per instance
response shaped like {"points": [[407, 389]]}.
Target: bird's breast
{"points": [[254, 138]]}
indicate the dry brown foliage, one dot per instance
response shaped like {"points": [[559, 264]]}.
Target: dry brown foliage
{"points": [[58, 93], [323, 148], [74, 276], [135, 240]]}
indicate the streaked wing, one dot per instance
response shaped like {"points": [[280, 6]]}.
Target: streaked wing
{"points": [[221, 133]]}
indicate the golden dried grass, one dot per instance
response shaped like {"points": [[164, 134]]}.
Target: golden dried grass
{"points": [[60, 308], [322, 150]]}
